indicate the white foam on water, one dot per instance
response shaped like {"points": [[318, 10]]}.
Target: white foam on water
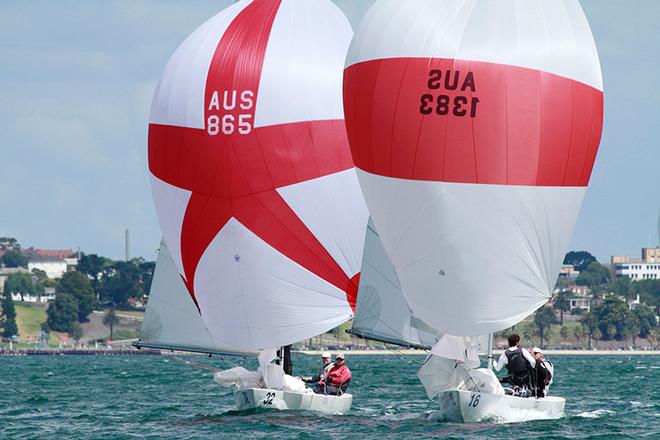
{"points": [[636, 404], [595, 413]]}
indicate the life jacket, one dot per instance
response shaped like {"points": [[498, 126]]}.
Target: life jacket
{"points": [[517, 365], [548, 373]]}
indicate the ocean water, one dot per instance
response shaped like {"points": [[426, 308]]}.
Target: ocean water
{"points": [[125, 397]]}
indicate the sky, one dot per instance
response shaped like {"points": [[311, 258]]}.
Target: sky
{"points": [[76, 81]]}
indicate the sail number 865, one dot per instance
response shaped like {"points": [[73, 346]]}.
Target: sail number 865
{"points": [[228, 124], [443, 104]]}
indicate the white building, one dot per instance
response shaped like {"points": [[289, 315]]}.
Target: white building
{"points": [[55, 262], [645, 268], [580, 303], [53, 268], [568, 271]]}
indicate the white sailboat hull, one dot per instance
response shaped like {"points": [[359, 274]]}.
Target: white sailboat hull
{"points": [[251, 398], [469, 407]]}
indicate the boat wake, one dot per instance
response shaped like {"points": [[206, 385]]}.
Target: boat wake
{"points": [[595, 413]]}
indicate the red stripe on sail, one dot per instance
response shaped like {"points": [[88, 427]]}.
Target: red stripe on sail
{"points": [[236, 174], [512, 126]]}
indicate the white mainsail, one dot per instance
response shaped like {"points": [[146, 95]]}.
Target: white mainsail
{"points": [[382, 312], [171, 320]]}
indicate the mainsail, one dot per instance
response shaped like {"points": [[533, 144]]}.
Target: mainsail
{"points": [[382, 312], [251, 173], [474, 126], [171, 320]]}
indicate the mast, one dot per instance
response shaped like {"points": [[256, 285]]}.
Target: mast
{"points": [[490, 351]]}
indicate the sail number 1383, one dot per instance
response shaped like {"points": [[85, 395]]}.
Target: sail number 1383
{"points": [[443, 103]]}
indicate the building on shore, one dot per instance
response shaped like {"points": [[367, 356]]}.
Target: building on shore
{"points": [[582, 298], [54, 263], [645, 268], [568, 271]]}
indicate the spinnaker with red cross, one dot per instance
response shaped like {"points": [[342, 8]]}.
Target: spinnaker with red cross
{"points": [[251, 173]]}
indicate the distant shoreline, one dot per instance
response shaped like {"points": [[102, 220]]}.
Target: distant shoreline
{"points": [[381, 352], [495, 352]]}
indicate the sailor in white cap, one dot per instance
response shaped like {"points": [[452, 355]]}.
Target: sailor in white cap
{"points": [[326, 359], [544, 371]]}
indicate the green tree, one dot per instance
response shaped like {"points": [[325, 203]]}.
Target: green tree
{"points": [[579, 259], [9, 316], [62, 312], [79, 287], [654, 337], [595, 274], [622, 286], [110, 320], [611, 332], [22, 284], [9, 244], [562, 303], [563, 332], [590, 324], [14, 258], [543, 320], [615, 312], [528, 333], [646, 318], [124, 280], [75, 331], [649, 293], [578, 332]]}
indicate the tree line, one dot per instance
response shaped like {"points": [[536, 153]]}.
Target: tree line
{"points": [[97, 281]]}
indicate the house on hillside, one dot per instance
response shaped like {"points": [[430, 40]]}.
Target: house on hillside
{"points": [[54, 262], [582, 298], [568, 271]]}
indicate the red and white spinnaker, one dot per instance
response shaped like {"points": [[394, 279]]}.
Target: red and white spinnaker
{"points": [[474, 126], [251, 172]]}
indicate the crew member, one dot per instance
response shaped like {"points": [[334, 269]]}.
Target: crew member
{"points": [[544, 371], [326, 360], [518, 362], [337, 379]]}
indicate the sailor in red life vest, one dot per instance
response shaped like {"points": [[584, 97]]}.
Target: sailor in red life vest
{"points": [[337, 380]]}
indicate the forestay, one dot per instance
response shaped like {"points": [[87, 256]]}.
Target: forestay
{"points": [[381, 311], [251, 172], [474, 126], [171, 320]]}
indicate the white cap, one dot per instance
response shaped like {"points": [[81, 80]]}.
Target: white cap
{"points": [[536, 350], [326, 354], [340, 356]]}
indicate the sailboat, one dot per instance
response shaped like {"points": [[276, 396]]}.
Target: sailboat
{"points": [[474, 127], [256, 192]]}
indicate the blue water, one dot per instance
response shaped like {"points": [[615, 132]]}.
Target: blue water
{"points": [[125, 397]]}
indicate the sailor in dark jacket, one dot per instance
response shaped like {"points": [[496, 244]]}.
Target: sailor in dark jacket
{"points": [[543, 371], [519, 363]]}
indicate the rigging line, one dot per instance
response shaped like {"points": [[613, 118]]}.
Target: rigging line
{"points": [[191, 363], [405, 355]]}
